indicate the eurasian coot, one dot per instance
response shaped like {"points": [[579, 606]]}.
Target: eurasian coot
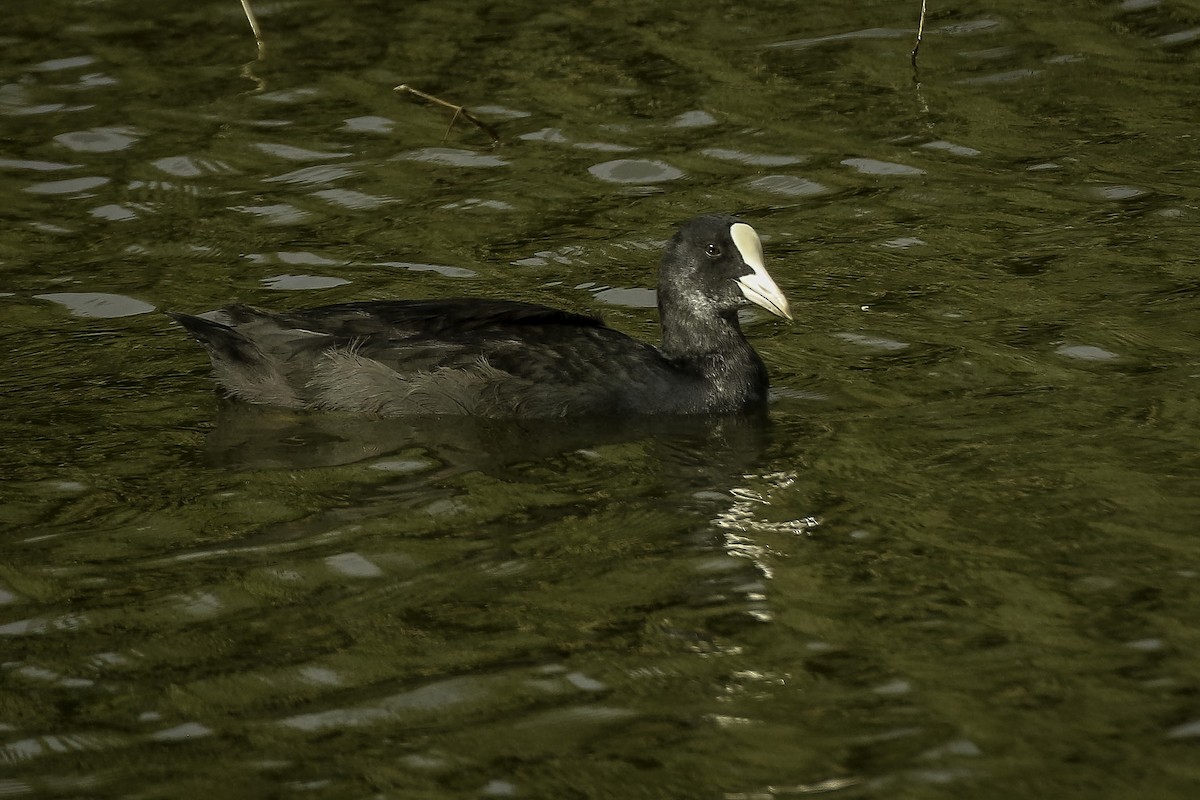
{"points": [[498, 358]]}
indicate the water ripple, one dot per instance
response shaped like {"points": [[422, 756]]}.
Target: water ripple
{"points": [[68, 186], [291, 153], [69, 62], [452, 157], [871, 166], [312, 176], [192, 166], [36, 166], [292, 283], [98, 140], [754, 159], [789, 185], [639, 171], [369, 124], [98, 304], [693, 119], [441, 269]]}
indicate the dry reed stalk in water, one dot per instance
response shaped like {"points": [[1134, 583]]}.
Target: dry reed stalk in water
{"points": [[459, 111]]}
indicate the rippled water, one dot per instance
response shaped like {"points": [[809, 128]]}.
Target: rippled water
{"points": [[961, 560]]}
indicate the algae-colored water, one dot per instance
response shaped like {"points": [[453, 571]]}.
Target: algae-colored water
{"points": [[961, 560]]}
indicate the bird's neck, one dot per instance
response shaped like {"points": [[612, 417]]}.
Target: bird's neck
{"points": [[691, 336], [713, 348]]}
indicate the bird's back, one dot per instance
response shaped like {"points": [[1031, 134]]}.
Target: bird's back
{"points": [[461, 356]]}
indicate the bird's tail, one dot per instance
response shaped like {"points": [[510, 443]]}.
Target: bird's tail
{"points": [[223, 343]]}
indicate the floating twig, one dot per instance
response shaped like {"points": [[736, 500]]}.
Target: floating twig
{"points": [[258, 37], [459, 111], [920, 35]]}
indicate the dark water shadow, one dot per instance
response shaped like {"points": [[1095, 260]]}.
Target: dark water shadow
{"points": [[255, 437], [423, 457]]}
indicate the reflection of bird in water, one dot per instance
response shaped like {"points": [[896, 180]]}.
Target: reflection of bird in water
{"points": [[420, 463], [254, 437]]}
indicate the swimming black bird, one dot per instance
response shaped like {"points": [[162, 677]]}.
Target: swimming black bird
{"points": [[505, 359]]}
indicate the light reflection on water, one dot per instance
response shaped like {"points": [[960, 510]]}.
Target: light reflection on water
{"points": [[971, 515]]}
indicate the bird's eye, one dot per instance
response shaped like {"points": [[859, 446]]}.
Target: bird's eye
{"points": [[711, 250]]}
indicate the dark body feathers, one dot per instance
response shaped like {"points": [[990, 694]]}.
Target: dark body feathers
{"points": [[496, 358]]}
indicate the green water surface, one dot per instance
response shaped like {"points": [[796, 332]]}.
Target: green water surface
{"points": [[961, 560]]}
